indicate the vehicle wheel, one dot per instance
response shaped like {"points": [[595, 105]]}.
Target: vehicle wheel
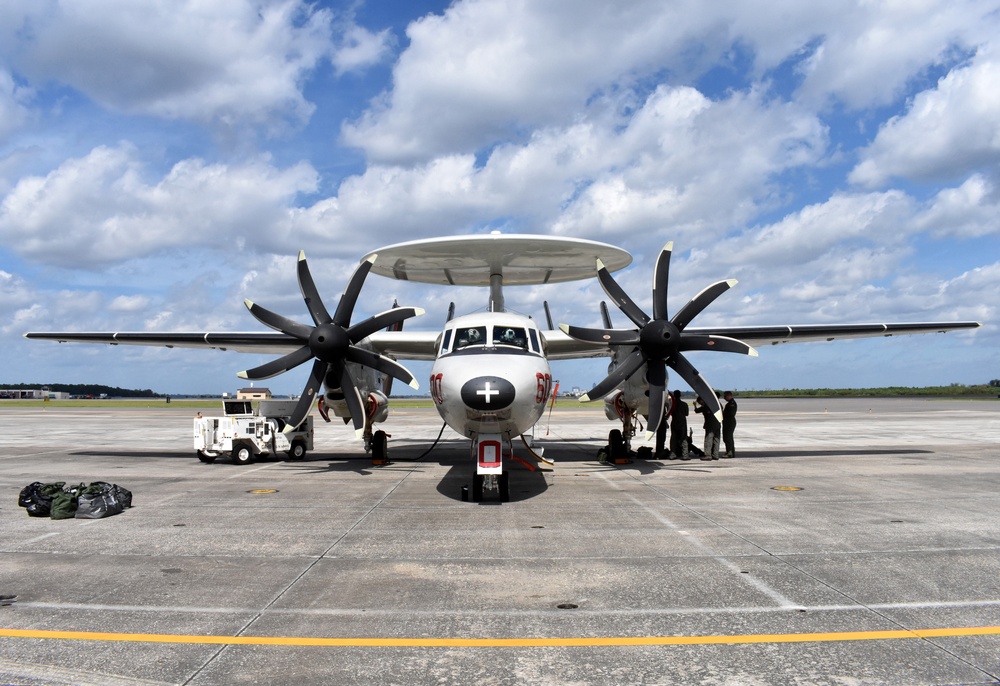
{"points": [[297, 451], [242, 453], [207, 459], [616, 445], [477, 488], [504, 484], [380, 446]]}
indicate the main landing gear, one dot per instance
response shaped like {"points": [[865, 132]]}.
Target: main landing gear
{"points": [[620, 440]]}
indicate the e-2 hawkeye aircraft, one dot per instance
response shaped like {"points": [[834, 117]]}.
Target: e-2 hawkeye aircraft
{"points": [[490, 378]]}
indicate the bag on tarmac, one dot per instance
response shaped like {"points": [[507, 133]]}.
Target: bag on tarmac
{"points": [[36, 497], [101, 499], [64, 502]]}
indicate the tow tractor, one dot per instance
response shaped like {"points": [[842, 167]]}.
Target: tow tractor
{"points": [[245, 433]]}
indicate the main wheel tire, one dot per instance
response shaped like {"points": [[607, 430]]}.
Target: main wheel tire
{"points": [[297, 451], [616, 445], [477, 488], [207, 459], [380, 446], [242, 453], [504, 484]]}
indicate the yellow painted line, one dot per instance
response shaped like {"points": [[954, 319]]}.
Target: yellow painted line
{"points": [[568, 642]]}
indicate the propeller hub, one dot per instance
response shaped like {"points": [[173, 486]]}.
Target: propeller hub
{"points": [[329, 342], [659, 339]]}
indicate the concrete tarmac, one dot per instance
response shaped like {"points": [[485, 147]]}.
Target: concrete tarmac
{"points": [[850, 542]]}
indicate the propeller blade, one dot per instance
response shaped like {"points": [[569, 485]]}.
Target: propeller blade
{"points": [[380, 321], [353, 398], [656, 375], [629, 366], [345, 308], [606, 316], [302, 407], [700, 302], [722, 344], [277, 322], [451, 312], [698, 384], [382, 364], [310, 294], [609, 336], [278, 366], [661, 274], [620, 297]]}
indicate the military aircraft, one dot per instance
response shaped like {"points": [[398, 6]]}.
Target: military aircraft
{"points": [[490, 380]]}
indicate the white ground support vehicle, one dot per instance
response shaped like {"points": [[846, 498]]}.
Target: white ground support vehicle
{"points": [[244, 433]]}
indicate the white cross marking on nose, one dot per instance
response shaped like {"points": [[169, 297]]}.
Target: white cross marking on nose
{"points": [[488, 392]]}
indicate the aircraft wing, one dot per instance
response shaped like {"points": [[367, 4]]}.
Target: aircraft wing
{"points": [[801, 333], [413, 345], [563, 347]]}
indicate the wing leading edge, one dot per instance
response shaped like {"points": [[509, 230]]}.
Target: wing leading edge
{"points": [[563, 347], [414, 345]]}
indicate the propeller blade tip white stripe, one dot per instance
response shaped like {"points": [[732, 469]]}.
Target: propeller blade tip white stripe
{"points": [[414, 385]]}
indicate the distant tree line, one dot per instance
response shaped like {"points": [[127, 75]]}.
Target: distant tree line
{"points": [[954, 390], [85, 389]]}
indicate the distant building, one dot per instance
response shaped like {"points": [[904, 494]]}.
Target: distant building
{"points": [[33, 394], [253, 394]]}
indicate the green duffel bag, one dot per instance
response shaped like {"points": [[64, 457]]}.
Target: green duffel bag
{"points": [[64, 502]]}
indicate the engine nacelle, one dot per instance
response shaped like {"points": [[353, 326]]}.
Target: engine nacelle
{"points": [[377, 407], [614, 407]]}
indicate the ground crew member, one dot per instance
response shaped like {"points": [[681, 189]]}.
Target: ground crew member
{"points": [[729, 424], [712, 430], [678, 428]]}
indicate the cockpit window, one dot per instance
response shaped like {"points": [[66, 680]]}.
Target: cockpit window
{"points": [[510, 335], [472, 335]]}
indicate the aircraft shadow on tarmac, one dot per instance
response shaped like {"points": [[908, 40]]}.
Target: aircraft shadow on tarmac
{"points": [[525, 483]]}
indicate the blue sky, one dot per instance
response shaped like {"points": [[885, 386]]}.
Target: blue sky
{"points": [[162, 161]]}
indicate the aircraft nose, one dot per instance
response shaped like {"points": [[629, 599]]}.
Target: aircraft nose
{"points": [[487, 393]]}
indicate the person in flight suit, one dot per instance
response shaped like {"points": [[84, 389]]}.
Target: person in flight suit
{"points": [[712, 430], [678, 428], [729, 424]]}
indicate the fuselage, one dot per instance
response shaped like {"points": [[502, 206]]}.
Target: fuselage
{"points": [[491, 374]]}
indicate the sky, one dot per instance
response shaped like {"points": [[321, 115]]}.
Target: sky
{"points": [[162, 160]]}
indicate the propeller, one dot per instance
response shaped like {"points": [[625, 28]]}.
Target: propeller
{"points": [[658, 341], [331, 343]]}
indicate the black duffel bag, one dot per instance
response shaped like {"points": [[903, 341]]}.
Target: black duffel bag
{"points": [[36, 497], [101, 499]]}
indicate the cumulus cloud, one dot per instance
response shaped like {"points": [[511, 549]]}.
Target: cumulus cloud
{"points": [[489, 69], [358, 48], [950, 130], [218, 63], [99, 210], [14, 111], [968, 211]]}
